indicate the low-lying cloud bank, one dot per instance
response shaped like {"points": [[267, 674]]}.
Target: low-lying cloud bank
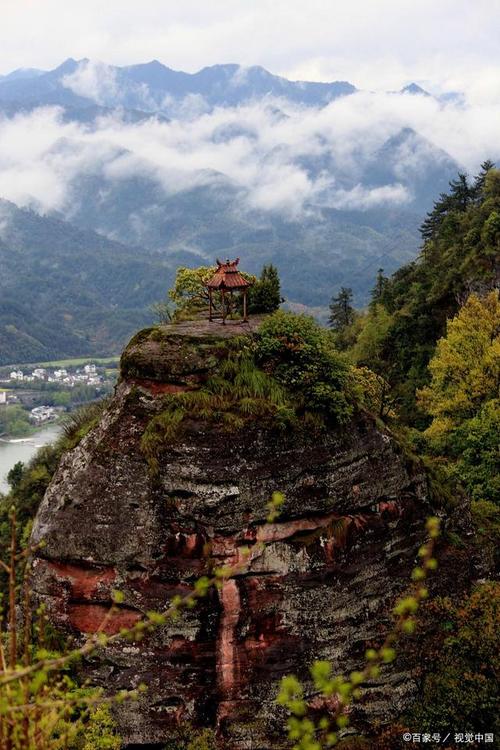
{"points": [[281, 157]]}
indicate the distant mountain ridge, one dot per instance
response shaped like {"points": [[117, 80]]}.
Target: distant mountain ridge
{"points": [[158, 167], [153, 86]]}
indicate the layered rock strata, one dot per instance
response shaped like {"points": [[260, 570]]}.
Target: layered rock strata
{"points": [[322, 586]]}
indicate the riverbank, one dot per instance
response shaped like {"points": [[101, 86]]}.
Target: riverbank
{"points": [[23, 449]]}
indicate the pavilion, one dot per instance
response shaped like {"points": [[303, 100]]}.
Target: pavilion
{"points": [[227, 280]]}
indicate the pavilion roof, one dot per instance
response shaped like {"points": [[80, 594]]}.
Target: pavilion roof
{"points": [[227, 276]]}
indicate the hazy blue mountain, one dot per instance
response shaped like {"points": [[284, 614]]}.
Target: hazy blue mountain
{"points": [[232, 84], [66, 292], [22, 73], [154, 87], [46, 88], [325, 249], [415, 89], [316, 253], [91, 291], [413, 161]]}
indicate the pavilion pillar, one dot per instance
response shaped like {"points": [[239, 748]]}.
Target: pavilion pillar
{"points": [[209, 304], [223, 307], [245, 317]]}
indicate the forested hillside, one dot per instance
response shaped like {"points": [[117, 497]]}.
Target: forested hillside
{"points": [[408, 312], [66, 292], [432, 335]]}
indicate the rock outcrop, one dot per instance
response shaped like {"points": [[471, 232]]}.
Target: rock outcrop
{"points": [[322, 587]]}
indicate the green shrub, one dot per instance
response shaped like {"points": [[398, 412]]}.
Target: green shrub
{"points": [[302, 357], [264, 296], [188, 738], [462, 689]]}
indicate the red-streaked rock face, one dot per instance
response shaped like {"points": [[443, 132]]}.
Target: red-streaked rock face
{"points": [[322, 585]]}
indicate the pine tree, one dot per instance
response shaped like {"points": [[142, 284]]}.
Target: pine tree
{"points": [[431, 224], [379, 288], [480, 181], [341, 310], [460, 192], [459, 198], [265, 295]]}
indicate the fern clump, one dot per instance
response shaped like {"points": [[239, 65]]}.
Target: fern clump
{"points": [[80, 422], [238, 393]]}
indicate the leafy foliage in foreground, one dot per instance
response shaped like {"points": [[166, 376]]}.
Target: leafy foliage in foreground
{"points": [[309, 733], [41, 705]]}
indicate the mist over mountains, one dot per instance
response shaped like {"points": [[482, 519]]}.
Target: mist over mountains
{"points": [[326, 181]]}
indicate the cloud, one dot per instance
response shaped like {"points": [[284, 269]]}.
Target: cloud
{"points": [[93, 80], [360, 197], [384, 44], [276, 156]]}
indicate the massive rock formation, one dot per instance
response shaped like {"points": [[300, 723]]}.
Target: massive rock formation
{"points": [[322, 587]]}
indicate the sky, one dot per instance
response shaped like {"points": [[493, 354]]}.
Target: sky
{"points": [[375, 44], [378, 45]]}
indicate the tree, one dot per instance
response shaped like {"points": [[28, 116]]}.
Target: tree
{"points": [[491, 229], [378, 290], [371, 338], [480, 181], [162, 312], [341, 310], [265, 295], [459, 198], [14, 420], [465, 369], [190, 293], [432, 223], [15, 475], [473, 446], [460, 192]]}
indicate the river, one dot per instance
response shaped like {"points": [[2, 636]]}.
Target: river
{"points": [[23, 449]]}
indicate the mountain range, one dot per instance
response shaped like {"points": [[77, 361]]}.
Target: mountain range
{"points": [[154, 87], [141, 168]]}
